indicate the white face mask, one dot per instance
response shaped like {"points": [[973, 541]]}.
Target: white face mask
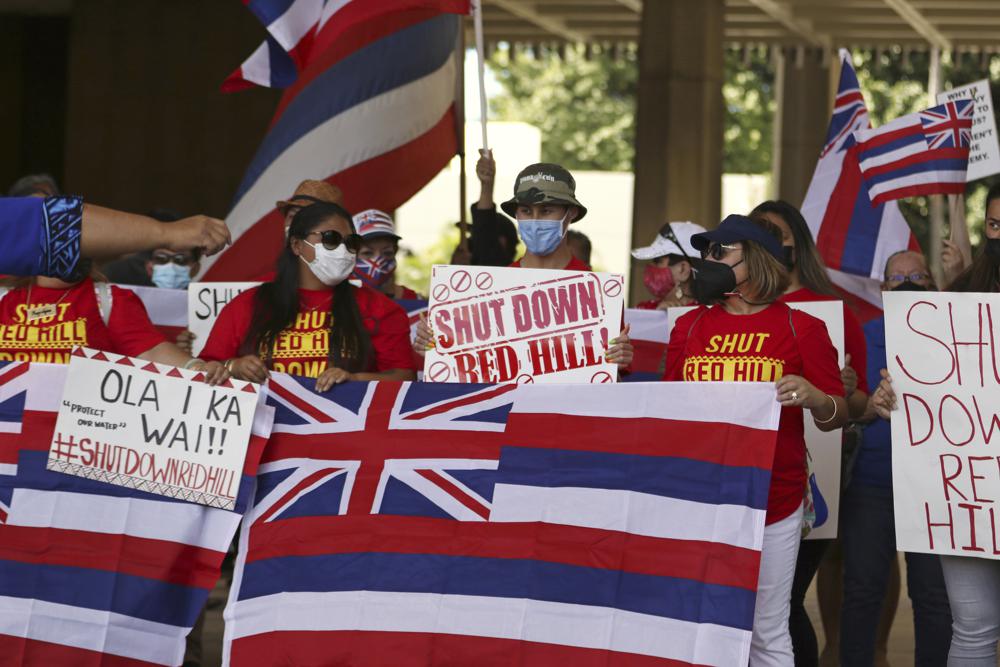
{"points": [[332, 267]]}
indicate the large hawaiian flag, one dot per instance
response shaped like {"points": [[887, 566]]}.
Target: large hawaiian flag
{"points": [[854, 237], [453, 524], [369, 105]]}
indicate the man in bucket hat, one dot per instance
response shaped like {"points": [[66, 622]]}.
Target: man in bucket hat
{"points": [[545, 204]]}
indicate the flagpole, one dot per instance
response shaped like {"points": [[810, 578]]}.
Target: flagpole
{"points": [[463, 203], [477, 18], [936, 201]]}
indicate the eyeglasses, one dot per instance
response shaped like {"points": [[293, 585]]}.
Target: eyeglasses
{"points": [[915, 277], [718, 250], [179, 259], [331, 240]]}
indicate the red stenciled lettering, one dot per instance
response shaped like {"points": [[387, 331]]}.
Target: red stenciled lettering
{"points": [[444, 334], [522, 312], [465, 366]]}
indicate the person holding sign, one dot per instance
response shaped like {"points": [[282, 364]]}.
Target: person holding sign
{"points": [[868, 531], [376, 266], [43, 319], [744, 333], [809, 281], [310, 320], [668, 275], [545, 205], [973, 584]]}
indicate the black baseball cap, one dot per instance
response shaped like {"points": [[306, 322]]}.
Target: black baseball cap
{"points": [[736, 228]]}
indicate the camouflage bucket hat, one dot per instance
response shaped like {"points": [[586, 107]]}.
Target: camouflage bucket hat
{"points": [[543, 183]]}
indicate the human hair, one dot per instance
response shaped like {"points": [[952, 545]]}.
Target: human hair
{"points": [[812, 273], [581, 238], [276, 303], [981, 275], [32, 184], [992, 194], [767, 275]]}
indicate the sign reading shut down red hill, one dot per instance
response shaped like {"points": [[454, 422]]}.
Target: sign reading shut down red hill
{"points": [[498, 325], [945, 365]]}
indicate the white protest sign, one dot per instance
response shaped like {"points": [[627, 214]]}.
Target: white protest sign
{"points": [[984, 152], [825, 447], [154, 428], [205, 302], [941, 349], [500, 325]]}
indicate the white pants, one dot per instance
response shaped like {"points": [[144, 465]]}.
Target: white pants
{"points": [[771, 645]]}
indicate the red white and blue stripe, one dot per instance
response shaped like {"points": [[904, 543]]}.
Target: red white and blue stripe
{"points": [[919, 154], [370, 107], [422, 524], [92, 573], [854, 236]]}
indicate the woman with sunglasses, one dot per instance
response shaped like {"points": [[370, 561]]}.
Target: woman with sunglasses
{"points": [[310, 320], [809, 281], [743, 332]]}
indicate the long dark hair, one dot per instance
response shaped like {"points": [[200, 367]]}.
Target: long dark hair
{"points": [[981, 275], [276, 304], [812, 273]]}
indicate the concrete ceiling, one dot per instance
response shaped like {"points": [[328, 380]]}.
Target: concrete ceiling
{"points": [[962, 25]]}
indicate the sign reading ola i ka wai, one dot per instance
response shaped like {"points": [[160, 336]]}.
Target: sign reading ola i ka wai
{"points": [[154, 428], [942, 352], [496, 325]]}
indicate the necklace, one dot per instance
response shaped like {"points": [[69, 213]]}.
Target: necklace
{"points": [[44, 311]]}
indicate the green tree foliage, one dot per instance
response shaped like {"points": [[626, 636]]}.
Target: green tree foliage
{"points": [[748, 120], [584, 106]]}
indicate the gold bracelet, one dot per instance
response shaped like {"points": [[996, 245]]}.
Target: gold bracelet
{"points": [[833, 416]]}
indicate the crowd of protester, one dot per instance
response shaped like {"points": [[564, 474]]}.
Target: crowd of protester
{"points": [[329, 311]]}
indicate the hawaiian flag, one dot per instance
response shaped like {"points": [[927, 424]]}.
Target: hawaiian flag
{"points": [[923, 153], [854, 236], [91, 573], [425, 524], [369, 105]]}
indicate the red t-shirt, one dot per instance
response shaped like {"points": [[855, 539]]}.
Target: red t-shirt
{"points": [[711, 344], [575, 264], [77, 322], [303, 349], [648, 305], [854, 335]]}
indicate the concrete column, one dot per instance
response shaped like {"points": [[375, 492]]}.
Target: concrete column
{"points": [[800, 122], [678, 153]]}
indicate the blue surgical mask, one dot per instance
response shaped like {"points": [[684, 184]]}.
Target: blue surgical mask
{"points": [[171, 276], [541, 237]]}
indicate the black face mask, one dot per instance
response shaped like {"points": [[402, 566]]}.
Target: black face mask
{"points": [[993, 251], [789, 252], [908, 286], [711, 281]]}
